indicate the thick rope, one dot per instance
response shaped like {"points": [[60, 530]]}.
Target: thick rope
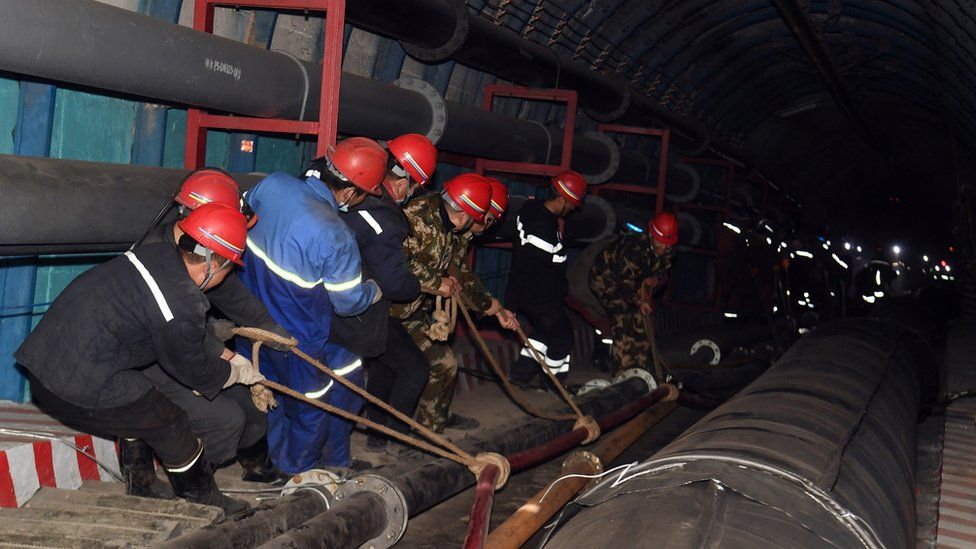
{"points": [[660, 369], [445, 318], [451, 451], [512, 391]]}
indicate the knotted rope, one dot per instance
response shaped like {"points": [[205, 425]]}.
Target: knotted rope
{"points": [[445, 318]]}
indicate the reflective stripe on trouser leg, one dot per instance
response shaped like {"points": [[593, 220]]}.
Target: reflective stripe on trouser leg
{"points": [[335, 451], [555, 365], [296, 430], [435, 402]]}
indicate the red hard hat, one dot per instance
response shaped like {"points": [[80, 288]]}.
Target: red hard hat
{"points": [[209, 185], [499, 197], [361, 161], [471, 193], [218, 228], [664, 228], [415, 154], [570, 185]]}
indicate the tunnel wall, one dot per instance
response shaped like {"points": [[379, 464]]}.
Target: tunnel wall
{"points": [[818, 451]]}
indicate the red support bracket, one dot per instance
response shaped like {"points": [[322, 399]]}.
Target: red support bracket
{"points": [[199, 121], [662, 165], [551, 95]]}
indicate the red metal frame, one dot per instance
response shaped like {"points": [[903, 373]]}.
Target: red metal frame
{"points": [[520, 92], [199, 121], [723, 211], [662, 166]]}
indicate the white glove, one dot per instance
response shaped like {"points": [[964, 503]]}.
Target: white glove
{"points": [[243, 372]]}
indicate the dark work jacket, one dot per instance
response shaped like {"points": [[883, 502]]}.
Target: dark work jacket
{"points": [[117, 318], [231, 297], [380, 228], [538, 273]]}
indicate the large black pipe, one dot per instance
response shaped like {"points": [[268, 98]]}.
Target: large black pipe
{"points": [[424, 482], [819, 451], [92, 44], [56, 206]]}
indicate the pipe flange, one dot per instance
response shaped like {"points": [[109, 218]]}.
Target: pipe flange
{"points": [[393, 503], [593, 385], [612, 166], [438, 107], [695, 184], [616, 113], [709, 344], [447, 49], [322, 482], [639, 373]]}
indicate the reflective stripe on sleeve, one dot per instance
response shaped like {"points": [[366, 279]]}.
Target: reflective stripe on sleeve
{"points": [[371, 220], [153, 287], [343, 286], [281, 273], [536, 241]]}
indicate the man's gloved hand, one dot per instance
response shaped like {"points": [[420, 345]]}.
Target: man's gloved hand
{"points": [[243, 372], [262, 397], [222, 328], [277, 329]]}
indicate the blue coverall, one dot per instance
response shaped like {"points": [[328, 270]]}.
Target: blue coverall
{"points": [[303, 262]]}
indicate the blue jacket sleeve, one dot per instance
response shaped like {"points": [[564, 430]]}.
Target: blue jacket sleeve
{"points": [[343, 277]]}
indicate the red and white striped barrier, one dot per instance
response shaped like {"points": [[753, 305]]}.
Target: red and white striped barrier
{"points": [[36, 450]]}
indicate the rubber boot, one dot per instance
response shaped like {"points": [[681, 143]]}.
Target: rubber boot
{"points": [[258, 466], [139, 471], [195, 483]]}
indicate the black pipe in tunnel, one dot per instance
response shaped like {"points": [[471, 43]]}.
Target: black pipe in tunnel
{"points": [[819, 451]]}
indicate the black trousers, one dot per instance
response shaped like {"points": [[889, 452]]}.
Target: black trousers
{"points": [[226, 423], [153, 418], [397, 376], [551, 326]]}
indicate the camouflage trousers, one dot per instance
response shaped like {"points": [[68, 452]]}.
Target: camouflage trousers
{"points": [[631, 348], [435, 401]]}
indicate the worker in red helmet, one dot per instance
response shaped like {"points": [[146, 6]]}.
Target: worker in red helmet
{"points": [[303, 262], [438, 223], [537, 284], [623, 279], [397, 369], [86, 356], [233, 424]]}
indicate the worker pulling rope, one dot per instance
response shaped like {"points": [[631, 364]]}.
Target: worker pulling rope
{"points": [[444, 448], [582, 421]]}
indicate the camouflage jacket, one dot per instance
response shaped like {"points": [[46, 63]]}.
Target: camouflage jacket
{"points": [[432, 252], [620, 269]]}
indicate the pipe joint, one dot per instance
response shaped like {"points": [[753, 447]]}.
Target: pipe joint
{"points": [[693, 176], [639, 373], [441, 53], [613, 164], [394, 505], [616, 113], [438, 108], [322, 483]]}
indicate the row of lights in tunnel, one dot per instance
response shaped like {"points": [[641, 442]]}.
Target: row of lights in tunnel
{"points": [[936, 271]]}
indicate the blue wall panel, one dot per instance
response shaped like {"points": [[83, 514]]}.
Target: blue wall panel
{"points": [[9, 96]]}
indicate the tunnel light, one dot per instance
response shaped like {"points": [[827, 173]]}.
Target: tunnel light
{"points": [[925, 258], [839, 262], [787, 293], [732, 228], [792, 255], [937, 268], [769, 241], [858, 249], [803, 331], [827, 242], [775, 309], [896, 248], [598, 332], [767, 227], [634, 228], [847, 246], [948, 268], [832, 294], [877, 277], [945, 277], [826, 246], [879, 294], [868, 298], [731, 315], [607, 341], [806, 294], [805, 254]]}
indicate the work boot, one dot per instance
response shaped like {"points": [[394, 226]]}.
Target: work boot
{"points": [[195, 482], [258, 466], [139, 470], [455, 421]]}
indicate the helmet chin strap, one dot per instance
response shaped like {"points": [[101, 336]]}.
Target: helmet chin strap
{"points": [[159, 216], [208, 258]]}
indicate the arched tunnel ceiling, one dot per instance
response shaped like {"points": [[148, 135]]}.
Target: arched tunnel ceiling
{"points": [[908, 69]]}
